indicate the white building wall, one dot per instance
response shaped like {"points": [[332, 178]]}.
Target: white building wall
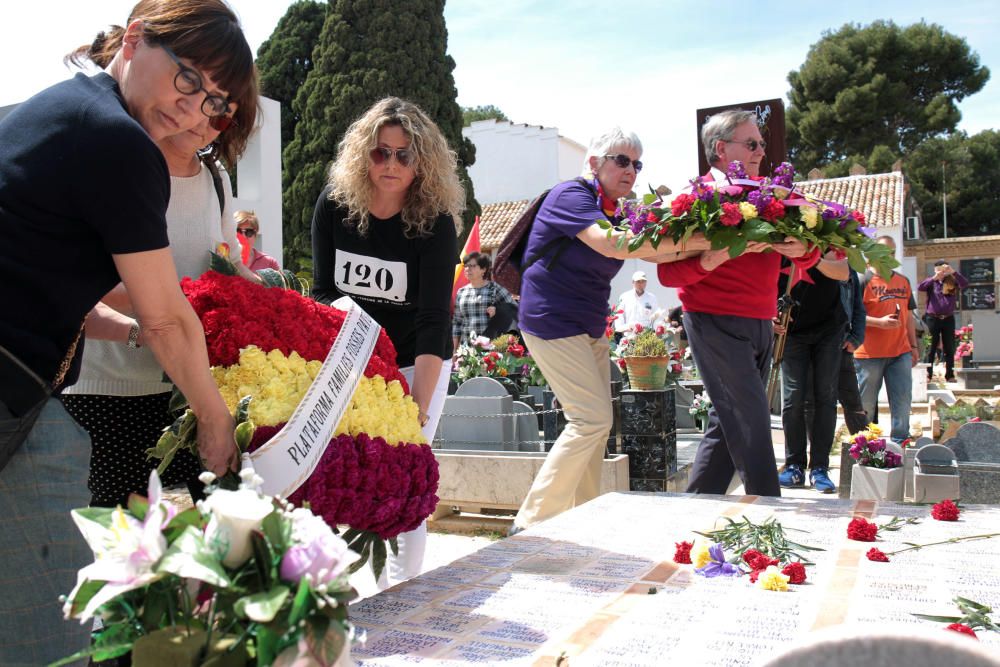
{"points": [[515, 162], [258, 175]]}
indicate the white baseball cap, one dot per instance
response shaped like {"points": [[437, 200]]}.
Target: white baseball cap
{"points": [[638, 275]]}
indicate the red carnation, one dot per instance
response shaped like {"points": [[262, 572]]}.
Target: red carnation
{"points": [[876, 555], [796, 573], [757, 560], [731, 215], [683, 553], [753, 575], [516, 350], [774, 210], [962, 630], [859, 216], [861, 530], [945, 510], [682, 204]]}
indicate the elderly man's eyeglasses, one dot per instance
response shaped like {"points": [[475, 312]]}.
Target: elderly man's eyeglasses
{"points": [[404, 156], [751, 144], [188, 82], [623, 161], [248, 232]]}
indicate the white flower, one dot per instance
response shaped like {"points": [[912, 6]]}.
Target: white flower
{"points": [[235, 514]]}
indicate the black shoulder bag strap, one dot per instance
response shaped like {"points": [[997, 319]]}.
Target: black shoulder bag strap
{"points": [[217, 181], [559, 244]]}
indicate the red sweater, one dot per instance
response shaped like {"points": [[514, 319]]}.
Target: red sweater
{"points": [[744, 287]]}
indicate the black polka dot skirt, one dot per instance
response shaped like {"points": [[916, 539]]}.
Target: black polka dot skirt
{"points": [[121, 429]]}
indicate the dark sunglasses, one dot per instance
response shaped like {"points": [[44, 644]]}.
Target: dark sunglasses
{"points": [[248, 232], [221, 123], [404, 156], [188, 82], [751, 144], [624, 161]]}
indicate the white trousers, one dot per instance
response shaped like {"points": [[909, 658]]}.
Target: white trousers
{"points": [[410, 560]]}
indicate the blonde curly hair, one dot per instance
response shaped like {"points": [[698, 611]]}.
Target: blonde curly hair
{"points": [[435, 188]]}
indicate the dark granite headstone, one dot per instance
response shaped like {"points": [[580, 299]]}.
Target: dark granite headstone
{"points": [[976, 442], [649, 437]]}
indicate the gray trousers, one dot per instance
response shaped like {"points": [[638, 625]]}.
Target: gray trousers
{"points": [[733, 355]]}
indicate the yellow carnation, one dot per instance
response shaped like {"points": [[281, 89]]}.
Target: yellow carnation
{"points": [[700, 557], [772, 579], [810, 216], [748, 210], [874, 430]]}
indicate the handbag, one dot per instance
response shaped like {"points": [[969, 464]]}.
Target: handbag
{"points": [[24, 394]]}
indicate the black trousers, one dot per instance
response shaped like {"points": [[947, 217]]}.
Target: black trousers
{"points": [[942, 329], [733, 355], [809, 368], [848, 395]]}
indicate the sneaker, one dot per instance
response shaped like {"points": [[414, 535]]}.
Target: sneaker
{"points": [[792, 476], [820, 480]]}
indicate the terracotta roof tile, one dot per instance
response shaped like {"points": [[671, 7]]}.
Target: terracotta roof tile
{"points": [[879, 196], [496, 219]]}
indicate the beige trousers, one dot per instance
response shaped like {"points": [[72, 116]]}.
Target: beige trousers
{"points": [[578, 370]]}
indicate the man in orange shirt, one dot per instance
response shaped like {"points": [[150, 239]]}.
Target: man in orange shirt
{"points": [[890, 348]]}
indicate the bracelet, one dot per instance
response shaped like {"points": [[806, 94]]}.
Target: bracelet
{"points": [[133, 336], [423, 418]]}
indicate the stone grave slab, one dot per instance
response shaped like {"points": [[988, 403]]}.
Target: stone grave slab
{"points": [[986, 336], [683, 397], [977, 449], [526, 432], [481, 386], [474, 422]]}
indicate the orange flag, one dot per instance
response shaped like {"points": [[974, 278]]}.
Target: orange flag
{"points": [[471, 245]]}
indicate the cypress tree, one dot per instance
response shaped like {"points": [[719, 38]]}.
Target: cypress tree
{"points": [[285, 59], [367, 50]]}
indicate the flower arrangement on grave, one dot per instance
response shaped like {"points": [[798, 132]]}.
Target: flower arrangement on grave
{"points": [[377, 475], [760, 548], [963, 336], [868, 448], [740, 210], [239, 579], [700, 406], [504, 357], [975, 616], [648, 356]]}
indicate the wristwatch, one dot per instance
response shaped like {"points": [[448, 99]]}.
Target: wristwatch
{"points": [[423, 418], [133, 336]]}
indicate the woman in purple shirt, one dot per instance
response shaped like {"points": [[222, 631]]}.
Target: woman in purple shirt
{"points": [[564, 306], [942, 296]]}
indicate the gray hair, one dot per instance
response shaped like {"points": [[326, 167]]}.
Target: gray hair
{"points": [[721, 127], [600, 145]]}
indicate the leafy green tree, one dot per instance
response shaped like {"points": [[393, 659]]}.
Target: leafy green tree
{"points": [[878, 85], [367, 50], [285, 59], [472, 114], [968, 175]]}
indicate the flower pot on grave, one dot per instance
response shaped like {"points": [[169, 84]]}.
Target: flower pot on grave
{"points": [[869, 483], [647, 372]]}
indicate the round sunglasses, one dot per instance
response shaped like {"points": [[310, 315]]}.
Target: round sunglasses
{"points": [[623, 161], [404, 156]]}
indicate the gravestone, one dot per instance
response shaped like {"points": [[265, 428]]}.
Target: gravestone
{"points": [[526, 432], [615, 436], [472, 419], [986, 337], [649, 437], [683, 397], [935, 475], [977, 449]]}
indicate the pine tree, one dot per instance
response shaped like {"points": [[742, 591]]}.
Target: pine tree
{"points": [[367, 50], [285, 59], [878, 86]]}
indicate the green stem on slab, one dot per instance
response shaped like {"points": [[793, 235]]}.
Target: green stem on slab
{"points": [[952, 540]]}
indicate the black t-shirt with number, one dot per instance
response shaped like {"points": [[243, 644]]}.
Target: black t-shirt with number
{"points": [[80, 180], [403, 283]]}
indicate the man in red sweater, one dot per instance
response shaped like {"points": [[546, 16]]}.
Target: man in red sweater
{"points": [[729, 305]]}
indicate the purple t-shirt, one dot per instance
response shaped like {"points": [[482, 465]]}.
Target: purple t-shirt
{"points": [[571, 298]]}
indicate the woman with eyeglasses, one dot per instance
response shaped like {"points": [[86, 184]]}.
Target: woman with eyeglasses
{"points": [[565, 292], [248, 227], [84, 191], [384, 234], [120, 397]]}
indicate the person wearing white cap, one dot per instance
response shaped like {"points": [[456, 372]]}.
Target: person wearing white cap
{"points": [[637, 306]]}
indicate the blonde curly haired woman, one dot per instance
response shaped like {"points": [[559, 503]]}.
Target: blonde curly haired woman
{"points": [[384, 233]]}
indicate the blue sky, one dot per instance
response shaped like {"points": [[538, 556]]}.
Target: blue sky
{"points": [[580, 66]]}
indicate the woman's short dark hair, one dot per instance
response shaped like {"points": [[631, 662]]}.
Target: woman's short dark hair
{"points": [[208, 33], [482, 260]]}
